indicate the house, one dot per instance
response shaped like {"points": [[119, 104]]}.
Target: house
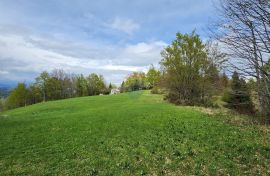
{"points": [[115, 91]]}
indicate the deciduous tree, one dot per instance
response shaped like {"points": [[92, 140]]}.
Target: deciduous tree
{"points": [[187, 70]]}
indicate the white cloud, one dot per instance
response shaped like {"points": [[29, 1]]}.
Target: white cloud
{"points": [[124, 25], [3, 72], [142, 54], [31, 57], [122, 67], [24, 57]]}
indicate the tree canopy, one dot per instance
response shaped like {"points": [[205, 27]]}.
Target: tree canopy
{"points": [[188, 72]]}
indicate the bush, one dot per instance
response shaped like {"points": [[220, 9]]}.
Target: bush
{"points": [[226, 95], [155, 90]]}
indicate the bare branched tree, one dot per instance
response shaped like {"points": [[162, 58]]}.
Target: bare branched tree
{"points": [[244, 28]]}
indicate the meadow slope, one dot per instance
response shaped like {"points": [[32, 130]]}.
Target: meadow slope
{"points": [[127, 134]]}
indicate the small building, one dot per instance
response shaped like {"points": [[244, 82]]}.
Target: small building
{"points": [[115, 91]]}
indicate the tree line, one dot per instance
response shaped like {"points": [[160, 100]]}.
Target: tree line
{"points": [[141, 81], [54, 86], [61, 85]]}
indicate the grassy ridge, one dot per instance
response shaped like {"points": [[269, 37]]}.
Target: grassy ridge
{"points": [[126, 134]]}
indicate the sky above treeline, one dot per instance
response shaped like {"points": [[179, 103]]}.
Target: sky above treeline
{"points": [[108, 37]]}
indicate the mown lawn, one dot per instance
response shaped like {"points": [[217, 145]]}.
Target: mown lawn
{"points": [[127, 134]]}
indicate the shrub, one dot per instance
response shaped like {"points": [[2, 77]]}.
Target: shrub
{"points": [[155, 90]]}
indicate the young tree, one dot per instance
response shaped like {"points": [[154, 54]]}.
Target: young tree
{"points": [[81, 86], [73, 85], [239, 97], [95, 84], [224, 81], [17, 97], [153, 77], [53, 89], [34, 94], [41, 81], [136, 81], [251, 84], [186, 69]]}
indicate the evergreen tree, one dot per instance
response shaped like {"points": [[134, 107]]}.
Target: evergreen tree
{"points": [[238, 98], [110, 86]]}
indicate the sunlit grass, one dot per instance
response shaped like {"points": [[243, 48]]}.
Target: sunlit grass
{"points": [[127, 134]]}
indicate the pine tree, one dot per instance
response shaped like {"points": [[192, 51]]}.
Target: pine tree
{"points": [[238, 98], [110, 86]]}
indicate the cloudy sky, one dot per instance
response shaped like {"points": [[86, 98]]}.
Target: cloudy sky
{"points": [[109, 37]]}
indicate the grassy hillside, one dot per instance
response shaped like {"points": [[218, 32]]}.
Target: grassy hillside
{"points": [[126, 134]]}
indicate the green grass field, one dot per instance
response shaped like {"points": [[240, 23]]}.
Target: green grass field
{"points": [[127, 134]]}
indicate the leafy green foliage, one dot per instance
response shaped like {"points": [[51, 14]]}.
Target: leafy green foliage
{"points": [[188, 72], [95, 84], [141, 81], [17, 97], [34, 94], [135, 81], [54, 86], [81, 86], [127, 134], [153, 77], [41, 81]]}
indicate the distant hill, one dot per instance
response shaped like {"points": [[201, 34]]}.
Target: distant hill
{"points": [[5, 89], [9, 85], [4, 92]]}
